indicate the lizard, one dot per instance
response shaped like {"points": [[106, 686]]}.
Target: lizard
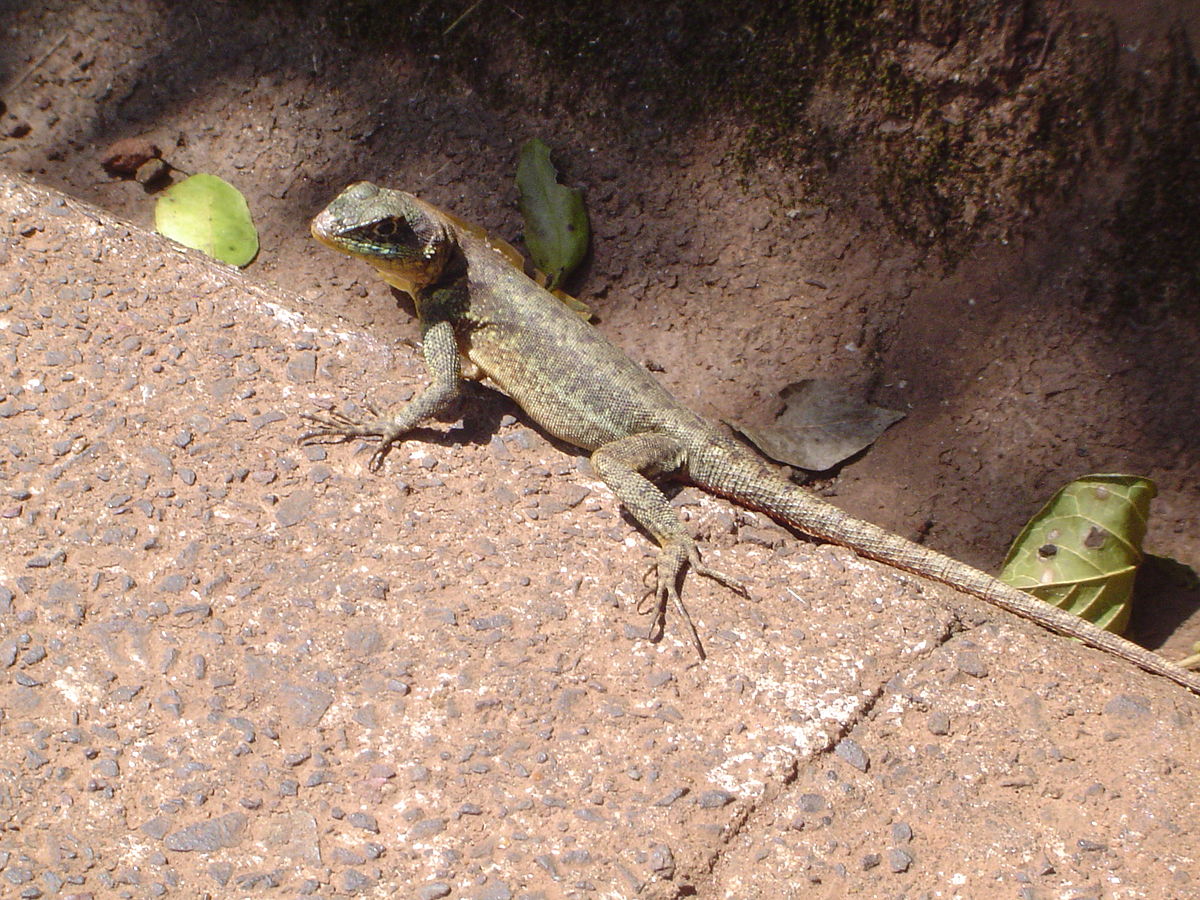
{"points": [[481, 316]]}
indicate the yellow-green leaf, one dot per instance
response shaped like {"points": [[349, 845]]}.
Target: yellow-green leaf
{"points": [[514, 259], [208, 214], [556, 222], [1081, 552]]}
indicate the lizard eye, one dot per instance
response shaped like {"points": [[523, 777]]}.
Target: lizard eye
{"points": [[390, 227], [390, 231]]}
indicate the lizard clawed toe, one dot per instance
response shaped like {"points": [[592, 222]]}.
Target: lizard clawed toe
{"points": [[335, 427], [666, 592], [720, 577], [668, 572], [332, 424], [375, 463]]}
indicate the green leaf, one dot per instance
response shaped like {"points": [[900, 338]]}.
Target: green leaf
{"points": [[1081, 552], [208, 214], [574, 304], [517, 261], [556, 222]]}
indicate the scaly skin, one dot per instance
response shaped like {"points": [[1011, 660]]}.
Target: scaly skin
{"points": [[480, 316]]}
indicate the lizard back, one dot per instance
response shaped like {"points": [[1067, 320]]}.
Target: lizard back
{"points": [[561, 370]]}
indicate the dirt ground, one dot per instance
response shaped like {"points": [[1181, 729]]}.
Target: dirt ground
{"points": [[982, 213]]}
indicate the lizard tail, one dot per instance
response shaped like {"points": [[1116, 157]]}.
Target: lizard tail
{"points": [[752, 484]]}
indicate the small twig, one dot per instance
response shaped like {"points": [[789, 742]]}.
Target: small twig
{"points": [[41, 61], [470, 9], [1050, 34]]}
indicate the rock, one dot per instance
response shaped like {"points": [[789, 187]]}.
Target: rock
{"points": [[207, 837], [850, 752], [124, 157]]}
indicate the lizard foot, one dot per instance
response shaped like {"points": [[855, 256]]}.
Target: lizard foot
{"points": [[337, 428], [673, 562]]}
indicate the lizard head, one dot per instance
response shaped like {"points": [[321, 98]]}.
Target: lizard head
{"points": [[401, 236]]}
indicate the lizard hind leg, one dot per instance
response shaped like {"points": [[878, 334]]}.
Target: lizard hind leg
{"points": [[624, 464]]}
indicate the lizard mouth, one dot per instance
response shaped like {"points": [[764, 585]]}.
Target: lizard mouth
{"points": [[321, 228]]}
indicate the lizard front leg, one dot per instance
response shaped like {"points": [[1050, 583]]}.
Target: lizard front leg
{"points": [[445, 371], [626, 466]]}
